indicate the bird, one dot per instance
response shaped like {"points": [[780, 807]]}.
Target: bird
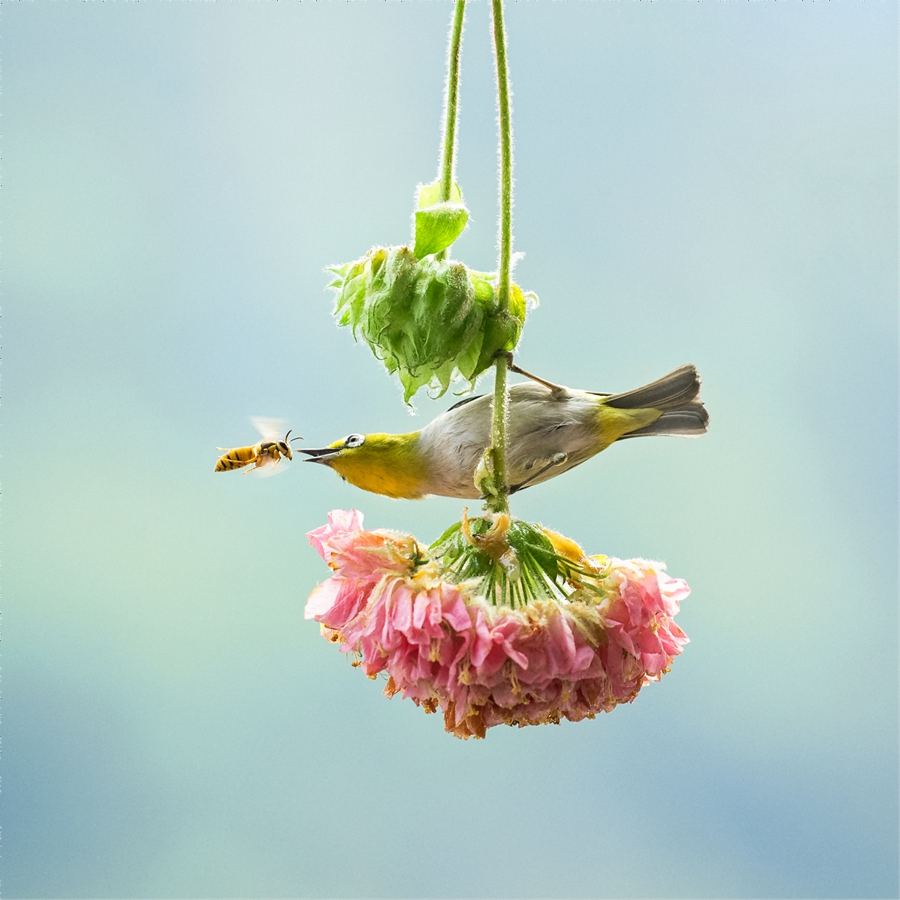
{"points": [[551, 430]]}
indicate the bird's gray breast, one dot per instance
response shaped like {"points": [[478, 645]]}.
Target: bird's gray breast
{"points": [[541, 425]]}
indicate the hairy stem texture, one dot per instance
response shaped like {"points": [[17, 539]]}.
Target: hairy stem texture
{"points": [[501, 389], [448, 144]]}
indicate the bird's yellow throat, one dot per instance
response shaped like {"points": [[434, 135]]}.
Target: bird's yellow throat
{"points": [[389, 464]]}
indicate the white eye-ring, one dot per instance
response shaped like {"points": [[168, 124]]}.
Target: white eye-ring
{"points": [[355, 440]]}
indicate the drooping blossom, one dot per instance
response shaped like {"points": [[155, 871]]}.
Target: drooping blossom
{"points": [[394, 608]]}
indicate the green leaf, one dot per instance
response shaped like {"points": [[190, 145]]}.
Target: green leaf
{"points": [[430, 194], [438, 226]]}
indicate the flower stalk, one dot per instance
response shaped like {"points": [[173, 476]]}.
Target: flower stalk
{"points": [[499, 502], [448, 144]]}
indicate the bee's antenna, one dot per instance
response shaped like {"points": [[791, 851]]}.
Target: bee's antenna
{"points": [[298, 438], [288, 434]]}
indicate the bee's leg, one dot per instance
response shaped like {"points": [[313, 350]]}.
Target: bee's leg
{"points": [[556, 460], [558, 391]]}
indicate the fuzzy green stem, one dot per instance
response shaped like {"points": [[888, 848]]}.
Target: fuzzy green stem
{"points": [[505, 117], [500, 503], [501, 390], [448, 141]]}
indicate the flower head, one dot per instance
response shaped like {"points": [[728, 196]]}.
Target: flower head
{"points": [[427, 319], [446, 643]]}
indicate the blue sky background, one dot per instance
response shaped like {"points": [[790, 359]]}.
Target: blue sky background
{"points": [[699, 182]]}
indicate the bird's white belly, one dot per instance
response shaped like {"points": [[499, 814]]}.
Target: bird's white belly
{"points": [[540, 428]]}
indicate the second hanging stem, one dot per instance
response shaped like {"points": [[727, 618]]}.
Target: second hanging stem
{"points": [[500, 417]]}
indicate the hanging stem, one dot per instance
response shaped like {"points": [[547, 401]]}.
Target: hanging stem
{"points": [[448, 142], [501, 390], [448, 145], [505, 155]]}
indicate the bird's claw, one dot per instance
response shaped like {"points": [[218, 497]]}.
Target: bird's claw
{"points": [[556, 460]]}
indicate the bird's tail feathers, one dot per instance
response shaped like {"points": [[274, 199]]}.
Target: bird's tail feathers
{"points": [[671, 392], [692, 420], [677, 395]]}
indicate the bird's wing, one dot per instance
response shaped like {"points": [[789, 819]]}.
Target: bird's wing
{"points": [[464, 401]]}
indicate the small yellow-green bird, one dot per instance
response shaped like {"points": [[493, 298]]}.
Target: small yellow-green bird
{"points": [[551, 429]]}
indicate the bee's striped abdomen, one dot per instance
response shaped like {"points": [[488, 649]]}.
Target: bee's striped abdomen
{"points": [[237, 459]]}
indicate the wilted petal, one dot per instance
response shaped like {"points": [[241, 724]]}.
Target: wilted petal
{"points": [[340, 521], [322, 598]]}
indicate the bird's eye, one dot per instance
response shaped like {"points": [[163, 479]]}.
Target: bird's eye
{"points": [[355, 440]]}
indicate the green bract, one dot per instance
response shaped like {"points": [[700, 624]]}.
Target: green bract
{"points": [[426, 319], [438, 226], [438, 223], [514, 560]]}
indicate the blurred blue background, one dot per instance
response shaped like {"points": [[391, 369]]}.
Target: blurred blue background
{"points": [[712, 183]]}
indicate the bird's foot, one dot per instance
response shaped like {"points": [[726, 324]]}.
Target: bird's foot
{"points": [[556, 460], [558, 391]]}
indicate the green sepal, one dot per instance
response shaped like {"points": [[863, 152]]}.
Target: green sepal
{"points": [[438, 226], [528, 540], [448, 535], [540, 572]]}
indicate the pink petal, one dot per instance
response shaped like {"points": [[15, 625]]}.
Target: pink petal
{"points": [[322, 598], [339, 521]]}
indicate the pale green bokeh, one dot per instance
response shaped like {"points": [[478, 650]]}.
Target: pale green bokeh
{"points": [[712, 183]]}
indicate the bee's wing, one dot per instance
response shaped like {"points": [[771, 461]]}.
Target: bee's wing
{"points": [[270, 429], [268, 469]]}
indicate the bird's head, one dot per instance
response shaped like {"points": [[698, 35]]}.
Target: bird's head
{"points": [[389, 464]]}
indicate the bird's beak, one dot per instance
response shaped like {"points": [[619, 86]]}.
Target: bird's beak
{"points": [[321, 455]]}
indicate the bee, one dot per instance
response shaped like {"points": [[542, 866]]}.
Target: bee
{"points": [[267, 453]]}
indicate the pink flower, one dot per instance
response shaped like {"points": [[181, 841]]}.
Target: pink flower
{"points": [[445, 646]]}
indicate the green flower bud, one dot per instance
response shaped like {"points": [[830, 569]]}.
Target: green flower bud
{"points": [[426, 319]]}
